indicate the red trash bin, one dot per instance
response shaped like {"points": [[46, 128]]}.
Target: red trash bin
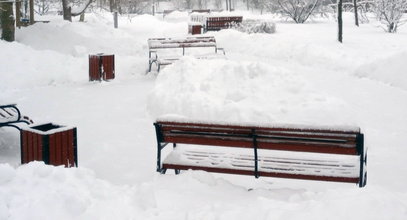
{"points": [[101, 66], [54, 144]]}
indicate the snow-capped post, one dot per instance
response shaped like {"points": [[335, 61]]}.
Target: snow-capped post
{"points": [[7, 21], [355, 8], [340, 23], [116, 23]]}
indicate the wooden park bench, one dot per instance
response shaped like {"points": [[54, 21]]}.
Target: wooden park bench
{"points": [[217, 23], [309, 153], [11, 116], [155, 44]]}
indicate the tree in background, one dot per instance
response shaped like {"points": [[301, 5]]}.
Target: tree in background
{"points": [[202, 4], [133, 6], [390, 13], [69, 12], [340, 23], [298, 10], [355, 9], [7, 21]]}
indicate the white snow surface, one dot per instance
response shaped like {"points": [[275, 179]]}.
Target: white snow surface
{"points": [[298, 75]]}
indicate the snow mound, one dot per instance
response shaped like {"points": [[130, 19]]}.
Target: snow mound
{"points": [[71, 193], [390, 70], [240, 91], [28, 67]]}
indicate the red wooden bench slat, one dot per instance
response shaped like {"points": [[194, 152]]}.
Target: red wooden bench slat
{"points": [[346, 143]]}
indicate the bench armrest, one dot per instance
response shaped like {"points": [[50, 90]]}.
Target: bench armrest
{"points": [[222, 49]]}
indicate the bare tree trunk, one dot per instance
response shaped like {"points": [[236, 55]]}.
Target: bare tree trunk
{"points": [[66, 10], [18, 14], [82, 17], [340, 22], [227, 5], [7, 21], [355, 7], [31, 11]]}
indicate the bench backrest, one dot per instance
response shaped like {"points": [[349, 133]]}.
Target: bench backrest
{"points": [[218, 23], [317, 140], [162, 43], [201, 11], [10, 114]]}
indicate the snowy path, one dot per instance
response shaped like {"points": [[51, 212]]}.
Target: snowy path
{"points": [[298, 75]]}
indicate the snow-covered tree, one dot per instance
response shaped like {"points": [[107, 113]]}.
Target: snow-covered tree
{"points": [[390, 13], [134, 6], [202, 4], [298, 10]]}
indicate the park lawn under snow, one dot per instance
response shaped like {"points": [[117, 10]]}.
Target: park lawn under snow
{"points": [[299, 75]]}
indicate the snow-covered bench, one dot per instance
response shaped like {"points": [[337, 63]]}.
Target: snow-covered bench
{"points": [[155, 44], [10, 115], [217, 23], [298, 152]]}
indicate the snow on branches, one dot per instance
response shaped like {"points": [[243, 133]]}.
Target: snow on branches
{"points": [[390, 13], [298, 10]]}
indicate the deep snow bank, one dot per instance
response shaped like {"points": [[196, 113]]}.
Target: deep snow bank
{"points": [[242, 92], [391, 70], [37, 191]]}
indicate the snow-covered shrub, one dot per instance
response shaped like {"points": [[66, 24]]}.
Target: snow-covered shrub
{"points": [[255, 26], [390, 13], [298, 10]]}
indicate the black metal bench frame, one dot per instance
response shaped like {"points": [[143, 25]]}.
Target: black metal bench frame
{"points": [[11, 112], [301, 139]]}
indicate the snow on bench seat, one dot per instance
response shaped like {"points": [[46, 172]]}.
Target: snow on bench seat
{"points": [[270, 163]]}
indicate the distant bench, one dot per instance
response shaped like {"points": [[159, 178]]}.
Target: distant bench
{"points": [[309, 153], [221, 22], [155, 44], [214, 22]]}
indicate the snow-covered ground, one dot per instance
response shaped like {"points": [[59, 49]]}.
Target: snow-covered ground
{"points": [[299, 75]]}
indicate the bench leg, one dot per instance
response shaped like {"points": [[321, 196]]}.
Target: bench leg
{"points": [[177, 172], [149, 67], [163, 171]]}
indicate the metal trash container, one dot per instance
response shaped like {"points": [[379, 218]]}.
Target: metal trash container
{"points": [[194, 28]]}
